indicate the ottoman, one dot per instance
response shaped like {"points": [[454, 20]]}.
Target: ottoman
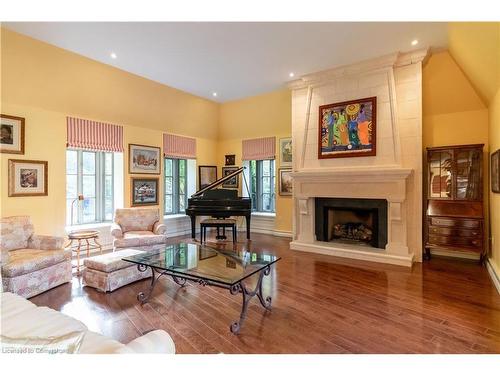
{"points": [[108, 272]]}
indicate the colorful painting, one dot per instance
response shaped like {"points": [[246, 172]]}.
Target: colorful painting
{"points": [[286, 152], [347, 129], [144, 159], [285, 183], [27, 178], [144, 191], [11, 134]]}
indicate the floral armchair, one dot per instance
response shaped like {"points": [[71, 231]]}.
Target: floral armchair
{"points": [[30, 263], [138, 228]]}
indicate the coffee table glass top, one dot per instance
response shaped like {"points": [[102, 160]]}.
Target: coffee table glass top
{"points": [[200, 261]]}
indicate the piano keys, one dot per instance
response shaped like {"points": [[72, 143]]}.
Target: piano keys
{"points": [[219, 203]]}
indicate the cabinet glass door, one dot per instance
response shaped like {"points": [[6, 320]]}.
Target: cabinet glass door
{"points": [[468, 174], [440, 181]]}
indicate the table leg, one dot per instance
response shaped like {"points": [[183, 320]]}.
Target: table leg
{"points": [[78, 256], [88, 247], [143, 297], [98, 244], [247, 296]]}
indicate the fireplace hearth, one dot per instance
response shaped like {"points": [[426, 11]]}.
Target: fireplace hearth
{"points": [[352, 221]]}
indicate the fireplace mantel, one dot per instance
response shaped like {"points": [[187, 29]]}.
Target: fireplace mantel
{"points": [[361, 174]]}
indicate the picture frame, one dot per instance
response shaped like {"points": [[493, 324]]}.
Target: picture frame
{"points": [[495, 171], [230, 160], [144, 191], [144, 159], [11, 134], [232, 183], [207, 174], [28, 178], [348, 129], [286, 152], [285, 182]]}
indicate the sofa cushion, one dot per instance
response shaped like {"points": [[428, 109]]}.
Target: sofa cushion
{"points": [[25, 261], [139, 238], [112, 261], [136, 218], [15, 232]]}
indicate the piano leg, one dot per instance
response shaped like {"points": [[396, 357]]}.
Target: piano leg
{"points": [[193, 226], [248, 226]]}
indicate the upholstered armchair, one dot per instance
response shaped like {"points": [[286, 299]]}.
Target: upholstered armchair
{"points": [[31, 264], [138, 228]]}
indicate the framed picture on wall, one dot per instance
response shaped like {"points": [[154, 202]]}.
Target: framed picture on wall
{"points": [[285, 182], [233, 182], [144, 159], [286, 152], [28, 178], [230, 160], [144, 191], [495, 168], [348, 129], [11, 134], [207, 174]]}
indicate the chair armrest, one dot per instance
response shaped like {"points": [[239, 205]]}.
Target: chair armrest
{"points": [[42, 242], [159, 228], [157, 341], [116, 230]]}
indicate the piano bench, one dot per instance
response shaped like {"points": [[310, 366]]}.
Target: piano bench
{"points": [[218, 223]]}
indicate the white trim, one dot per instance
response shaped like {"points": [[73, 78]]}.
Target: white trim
{"points": [[329, 249], [495, 278]]}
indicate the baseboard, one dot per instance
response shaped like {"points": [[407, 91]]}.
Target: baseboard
{"points": [[495, 278]]}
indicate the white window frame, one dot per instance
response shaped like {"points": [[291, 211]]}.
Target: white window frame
{"points": [[175, 186], [100, 177]]}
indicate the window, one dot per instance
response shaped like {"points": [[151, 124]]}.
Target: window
{"points": [[90, 174], [262, 185], [175, 186]]}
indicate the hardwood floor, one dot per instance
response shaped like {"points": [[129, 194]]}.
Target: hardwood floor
{"points": [[321, 304]]}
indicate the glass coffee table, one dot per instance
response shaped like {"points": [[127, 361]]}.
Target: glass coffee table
{"points": [[208, 266]]}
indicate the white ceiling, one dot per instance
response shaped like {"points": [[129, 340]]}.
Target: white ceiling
{"points": [[235, 60]]}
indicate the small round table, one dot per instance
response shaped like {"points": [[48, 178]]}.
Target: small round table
{"points": [[83, 235]]}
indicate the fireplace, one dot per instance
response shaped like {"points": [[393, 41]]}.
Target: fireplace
{"points": [[352, 221]]}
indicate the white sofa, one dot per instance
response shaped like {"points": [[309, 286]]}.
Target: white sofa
{"points": [[21, 318]]}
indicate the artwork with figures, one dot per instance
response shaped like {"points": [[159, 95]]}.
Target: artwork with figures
{"points": [[144, 159], [347, 129], [12, 134], [285, 182], [27, 178], [233, 182], [144, 191]]}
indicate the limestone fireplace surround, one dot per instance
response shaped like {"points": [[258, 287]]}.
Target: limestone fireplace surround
{"points": [[394, 174]]}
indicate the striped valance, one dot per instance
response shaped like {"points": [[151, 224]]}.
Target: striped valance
{"points": [[177, 147], [259, 148], [94, 135]]}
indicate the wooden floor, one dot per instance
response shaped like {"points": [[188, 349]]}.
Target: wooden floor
{"points": [[321, 304]]}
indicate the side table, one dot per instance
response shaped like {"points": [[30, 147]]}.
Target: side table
{"points": [[83, 235]]}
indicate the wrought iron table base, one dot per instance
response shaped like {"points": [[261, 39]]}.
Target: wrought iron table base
{"points": [[247, 294]]}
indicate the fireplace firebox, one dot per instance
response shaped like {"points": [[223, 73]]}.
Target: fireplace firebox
{"points": [[353, 221]]}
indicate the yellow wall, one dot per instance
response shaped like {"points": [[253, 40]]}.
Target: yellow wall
{"points": [[255, 117], [44, 84], [476, 48]]}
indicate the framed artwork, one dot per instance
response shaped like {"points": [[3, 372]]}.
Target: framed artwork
{"points": [[286, 152], [233, 182], [348, 129], [229, 160], [144, 191], [11, 134], [28, 178], [207, 174], [144, 159], [285, 182], [495, 176]]}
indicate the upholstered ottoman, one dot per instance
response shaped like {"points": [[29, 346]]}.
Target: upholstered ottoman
{"points": [[108, 272]]}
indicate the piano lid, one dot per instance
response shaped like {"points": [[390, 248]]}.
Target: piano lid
{"points": [[218, 182]]}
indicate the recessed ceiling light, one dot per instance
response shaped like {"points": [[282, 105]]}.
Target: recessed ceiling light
{"points": [[113, 55], [214, 94], [414, 42], [291, 74]]}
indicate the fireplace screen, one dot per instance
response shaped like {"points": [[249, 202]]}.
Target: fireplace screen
{"points": [[354, 221]]}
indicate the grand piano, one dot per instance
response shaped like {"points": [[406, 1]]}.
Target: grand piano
{"points": [[219, 203]]}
